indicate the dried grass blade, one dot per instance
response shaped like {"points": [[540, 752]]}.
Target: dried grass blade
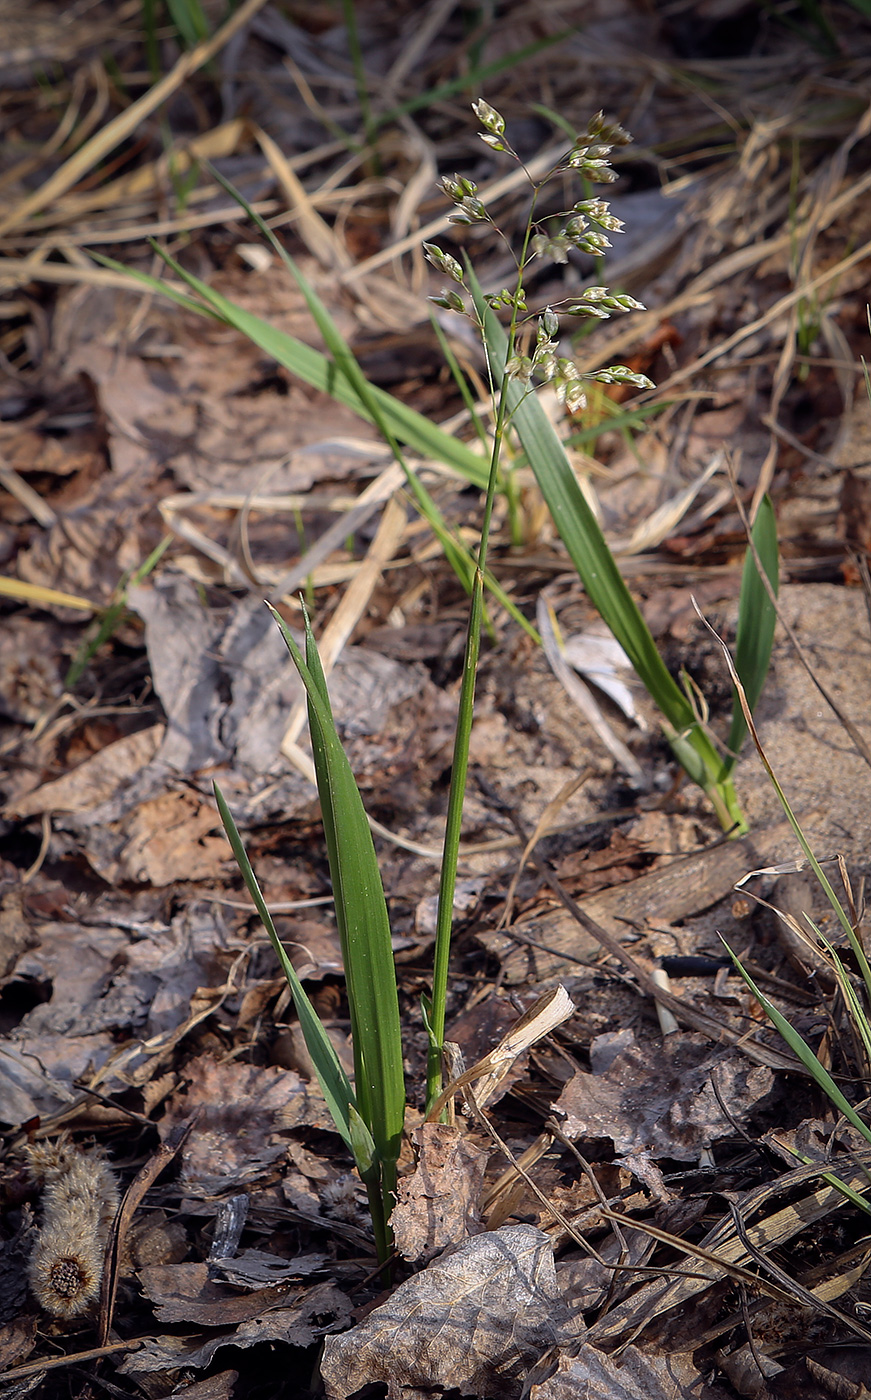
{"points": [[629, 1317], [108, 137]]}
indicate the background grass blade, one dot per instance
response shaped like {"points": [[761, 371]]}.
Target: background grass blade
{"points": [[374, 405], [316, 369], [335, 1085], [107, 626], [757, 619], [803, 1051]]}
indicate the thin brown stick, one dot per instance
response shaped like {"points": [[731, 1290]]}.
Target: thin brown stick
{"points": [[34, 1368], [130, 1204]]}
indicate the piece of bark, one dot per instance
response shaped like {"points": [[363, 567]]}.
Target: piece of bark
{"points": [[676, 889]]}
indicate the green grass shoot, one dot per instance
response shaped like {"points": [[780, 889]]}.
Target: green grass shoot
{"points": [[370, 1116]]}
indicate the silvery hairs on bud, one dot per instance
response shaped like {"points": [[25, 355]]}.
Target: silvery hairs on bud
{"points": [[79, 1202]]}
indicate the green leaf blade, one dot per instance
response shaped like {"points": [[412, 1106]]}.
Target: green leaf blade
{"points": [[604, 584], [803, 1052], [757, 619], [361, 915], [334, 1082], [317, 370]]}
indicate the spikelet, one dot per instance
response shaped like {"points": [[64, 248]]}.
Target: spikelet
{"points": [[80, 1198]]}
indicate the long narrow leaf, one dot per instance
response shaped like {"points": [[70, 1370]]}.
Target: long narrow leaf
{"points": [[803, 1051], [349, 372], [314, 368], [757, 619], [605, 586], [372, 404], [335, 1085], [361, 914]]}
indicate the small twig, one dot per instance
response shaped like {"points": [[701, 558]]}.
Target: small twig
{"points": [[135, 1192], [34, 1368]]}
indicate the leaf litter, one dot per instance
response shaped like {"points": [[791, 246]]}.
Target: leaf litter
{"points": [[137, 993]]}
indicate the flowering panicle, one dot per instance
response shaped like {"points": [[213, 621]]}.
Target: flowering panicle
{"points": [[585, 229]]}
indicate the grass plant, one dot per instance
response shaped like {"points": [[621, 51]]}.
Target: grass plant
{"points": [[513, 374], [369, 1114], [853, 988]]}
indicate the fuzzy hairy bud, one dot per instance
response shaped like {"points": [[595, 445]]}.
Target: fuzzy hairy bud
{"points": [[470, 211], [79, 1202], [594, 167], [593, 243], [598, 302]]}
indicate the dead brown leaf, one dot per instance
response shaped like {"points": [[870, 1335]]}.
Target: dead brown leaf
{"points": [[17, 1339], [437, 1204], [30, 667], [586, 871], [663, 1103], [95, 780], [587, 1372], [187, 1293], [476, 1320], [166, 839], [318, 1310], [241, 1111]]}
